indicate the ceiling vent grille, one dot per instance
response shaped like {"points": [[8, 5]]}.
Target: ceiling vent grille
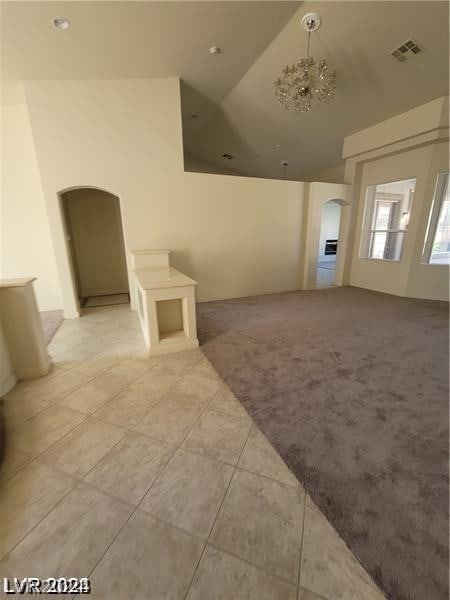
{"points": [[228, 156], [406, 50]]}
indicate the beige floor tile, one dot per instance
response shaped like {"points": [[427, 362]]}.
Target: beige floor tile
{"points": [[225, 401], [261, 521], [223, 577], [150, 560], [88, 398], [304, 594], [260, 457], [205, 369], [68, 327], [157, 381], [130, 468], [58, 345], [13, 460], [182, 362], [169, 421], [218, 436], [129, 370], [129, 347], [194, 389], [69, 360], [97, 364], [42, 431], [49, 388], [128, 407], [328, 567], [26, 498], [20, 408], [189, 492], [81, 449], [70, 540]]}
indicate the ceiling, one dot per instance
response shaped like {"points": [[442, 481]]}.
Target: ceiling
{"points": [[357, 38], [137, 40], [231, 94]]}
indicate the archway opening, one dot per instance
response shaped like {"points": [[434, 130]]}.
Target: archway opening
{"points": [[96, 248], [328, 244]]}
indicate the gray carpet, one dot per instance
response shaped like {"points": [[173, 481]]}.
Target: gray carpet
{"points": [[351, 388]]}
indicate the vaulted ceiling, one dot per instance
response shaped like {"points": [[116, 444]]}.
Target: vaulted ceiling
{"points": [[137, 40], [228, 99], [357, 39]]}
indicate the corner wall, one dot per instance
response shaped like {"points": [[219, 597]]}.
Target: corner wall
{"points": [[413, 144], [27, 249], [237, 236]]}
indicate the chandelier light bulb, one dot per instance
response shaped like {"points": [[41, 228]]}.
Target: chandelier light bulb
{"points": [[307, 83]]}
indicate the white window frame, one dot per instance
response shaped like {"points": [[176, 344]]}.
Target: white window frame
{"points": [[440, 189], [368, 231]]}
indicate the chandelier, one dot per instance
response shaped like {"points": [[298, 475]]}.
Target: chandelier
{"points": [[307, 83]]}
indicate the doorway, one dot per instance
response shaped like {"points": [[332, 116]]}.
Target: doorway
{"points": [[96, 247], [328, 244]]}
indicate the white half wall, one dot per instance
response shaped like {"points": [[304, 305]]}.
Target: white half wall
{"points": [[236, 236], [27, 248], [7, 376]]}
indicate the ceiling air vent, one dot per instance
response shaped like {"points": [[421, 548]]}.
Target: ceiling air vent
{"points": [[229, 156], [406, 50]]}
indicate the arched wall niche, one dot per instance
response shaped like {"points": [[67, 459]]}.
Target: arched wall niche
{"points": [[68, 268], [318, 195]]}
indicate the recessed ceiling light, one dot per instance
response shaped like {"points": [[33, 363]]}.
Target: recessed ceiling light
{"points": [[215, 50], [61, 23]]}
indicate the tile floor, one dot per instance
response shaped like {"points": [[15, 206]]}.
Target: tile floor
{"points": [[326, 272], [147, 476]]}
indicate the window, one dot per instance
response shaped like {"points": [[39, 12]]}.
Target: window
{"points": [[386, 219], [437, 242]]}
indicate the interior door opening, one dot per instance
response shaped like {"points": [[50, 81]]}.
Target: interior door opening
{"points": [[96, 246], [328, 244]]}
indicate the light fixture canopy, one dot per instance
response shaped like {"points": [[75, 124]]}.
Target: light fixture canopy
{"points": [[307, 83], [61, 23]]}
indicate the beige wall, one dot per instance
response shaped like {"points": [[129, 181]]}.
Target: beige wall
{"points": [[392, 276], [414, 144], [96, 241], [27, 249], [425, 278], [237, 236]]}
